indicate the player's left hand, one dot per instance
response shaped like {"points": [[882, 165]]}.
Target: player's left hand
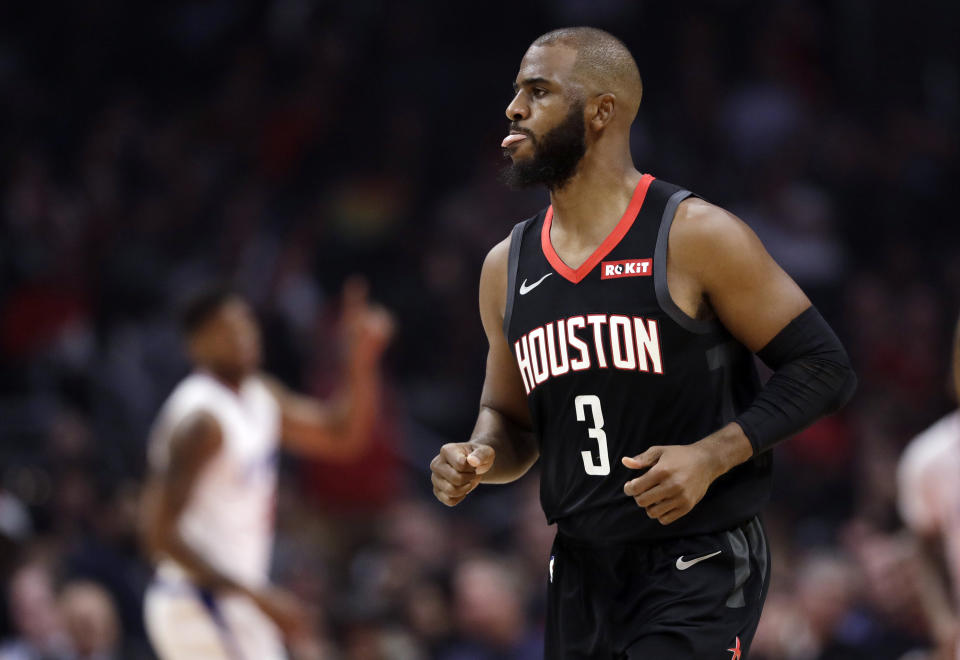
{"points": [[676, 479]]}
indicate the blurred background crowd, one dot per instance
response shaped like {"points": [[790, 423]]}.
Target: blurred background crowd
{"points": [[285, 144]]}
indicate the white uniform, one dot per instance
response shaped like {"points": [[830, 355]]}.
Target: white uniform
{"points": [[228, 520], [928, 484]]}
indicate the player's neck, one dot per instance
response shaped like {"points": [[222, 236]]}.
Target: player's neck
{"points": [[591, 204], [232, 382]]}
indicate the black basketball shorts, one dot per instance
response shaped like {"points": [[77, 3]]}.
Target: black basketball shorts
{"points": [[695, 598]]}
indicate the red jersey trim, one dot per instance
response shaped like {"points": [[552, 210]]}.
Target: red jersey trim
{"points": [[610, 242]]}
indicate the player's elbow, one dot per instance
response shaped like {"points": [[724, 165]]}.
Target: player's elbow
{"points": [[339, 444], [350, 447], [151, 534], [837, 368], [154, 530], [847, 388]]}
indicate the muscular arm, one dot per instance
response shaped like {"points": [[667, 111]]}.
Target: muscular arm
{"points": [[715, 262], [340, 429], [758, 303], [502, 447], [504, 419], [715, 257], [193, 444]]}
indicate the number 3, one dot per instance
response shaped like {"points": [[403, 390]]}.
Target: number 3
{"points": [[596, 432]]}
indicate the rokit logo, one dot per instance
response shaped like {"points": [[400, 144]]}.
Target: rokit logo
{"points": [[610, 270]]}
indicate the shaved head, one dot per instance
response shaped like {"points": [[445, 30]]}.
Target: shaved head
{"points": [[603, 64], [575, 98]]}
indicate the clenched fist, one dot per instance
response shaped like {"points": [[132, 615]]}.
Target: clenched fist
{"points": [[458, 469]]}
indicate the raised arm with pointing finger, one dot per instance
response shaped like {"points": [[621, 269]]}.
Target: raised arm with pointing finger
{"points": [[208, 505]]}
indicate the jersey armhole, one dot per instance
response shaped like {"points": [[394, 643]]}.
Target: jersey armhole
{"points": [[664, 299], [513, 264]]}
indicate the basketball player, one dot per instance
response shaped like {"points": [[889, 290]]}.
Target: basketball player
{"points": [[622, 321], [929, 499], [209, 502]]}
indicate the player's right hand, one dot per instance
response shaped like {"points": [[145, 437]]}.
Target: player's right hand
{"points": [[458, 469], [367, 327], [285, 610]]}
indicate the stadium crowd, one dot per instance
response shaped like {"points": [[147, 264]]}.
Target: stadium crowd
{"points": [[285, 144]]}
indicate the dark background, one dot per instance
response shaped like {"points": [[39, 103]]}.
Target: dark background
{"points": [[148, 148]]}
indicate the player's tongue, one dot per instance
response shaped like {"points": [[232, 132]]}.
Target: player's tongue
{"points": [[513, 138]]}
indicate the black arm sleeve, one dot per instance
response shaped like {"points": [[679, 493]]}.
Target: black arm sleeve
{"points": [[812, 378]]}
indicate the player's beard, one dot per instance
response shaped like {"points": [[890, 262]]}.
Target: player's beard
{"points": [[556, 155]]}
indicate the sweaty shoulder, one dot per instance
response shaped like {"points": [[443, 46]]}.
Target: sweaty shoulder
{"points": [[190, 406], [715, 261], [493, 285], [702, 231], [193, 441], [718, 251]]}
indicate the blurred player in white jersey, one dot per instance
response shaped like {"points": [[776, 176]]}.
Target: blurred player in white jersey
{"points": [[929, 499], [209, 501]]}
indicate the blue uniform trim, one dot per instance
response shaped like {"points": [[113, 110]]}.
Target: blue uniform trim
{"points": [[209, 601]]}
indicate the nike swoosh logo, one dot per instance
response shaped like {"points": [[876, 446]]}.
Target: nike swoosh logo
{"points": [[684, 565], [524, 289]]}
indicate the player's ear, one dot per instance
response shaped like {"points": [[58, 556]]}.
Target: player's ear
{"points": [[601, 111]]}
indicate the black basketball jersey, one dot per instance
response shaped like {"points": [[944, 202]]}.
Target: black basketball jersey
{"points": [[612, 366]]}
